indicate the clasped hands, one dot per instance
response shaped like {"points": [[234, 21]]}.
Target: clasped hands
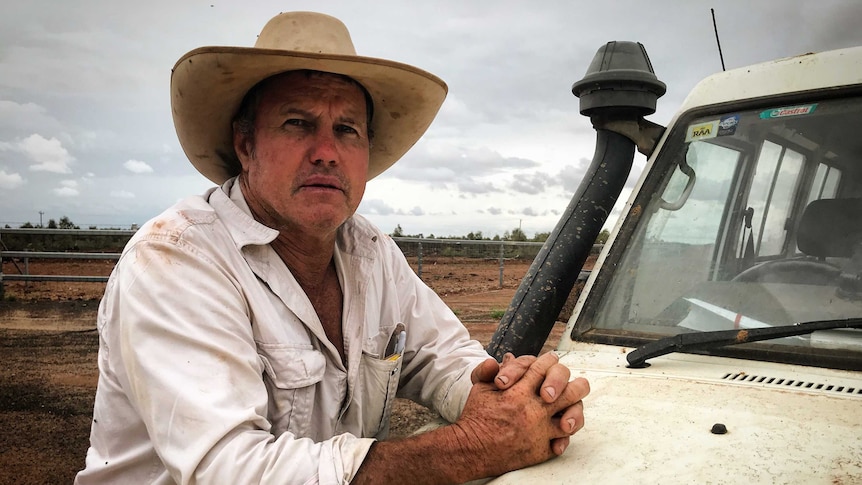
{"points": [[526, 406]]}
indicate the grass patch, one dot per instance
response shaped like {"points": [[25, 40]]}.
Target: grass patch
{"points": [[497, 314]]}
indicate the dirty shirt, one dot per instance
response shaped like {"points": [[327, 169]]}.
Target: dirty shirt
{"points": [[214, 367]]}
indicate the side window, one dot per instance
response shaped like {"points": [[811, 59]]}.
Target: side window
{"points": [[699, 219], [771, 198], [825, 185]]}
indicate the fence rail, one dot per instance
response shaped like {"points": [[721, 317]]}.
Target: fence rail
{"points": [[412, 247]]}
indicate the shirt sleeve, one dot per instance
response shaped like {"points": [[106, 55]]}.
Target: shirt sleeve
{"points": [[183, 349], [440, 355]]}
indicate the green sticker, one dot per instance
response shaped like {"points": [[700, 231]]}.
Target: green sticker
{"points": [[788, 111]]}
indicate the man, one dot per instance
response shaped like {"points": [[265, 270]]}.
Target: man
{"points": [[260, 332]]}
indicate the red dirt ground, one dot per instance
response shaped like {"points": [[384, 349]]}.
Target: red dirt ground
{"points": [[48, 347]]}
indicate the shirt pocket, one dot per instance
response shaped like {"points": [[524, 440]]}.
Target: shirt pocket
{"points": [[291, 375], [379, 378]]}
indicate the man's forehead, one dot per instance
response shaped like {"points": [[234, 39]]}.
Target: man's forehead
{"points": [[310, 85]]}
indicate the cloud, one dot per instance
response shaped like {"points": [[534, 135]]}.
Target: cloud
{"points": [[49, 154], [137, 166], [495, 211], [27, 117], [379, 208], [476, 187], [570, 176], [375, 207], [122, 194], [68, 188], [443, 161], [10, 181], [532, 184]]}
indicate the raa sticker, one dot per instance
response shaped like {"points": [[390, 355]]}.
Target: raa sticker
{"points": [[702, 131], [727, 125], [788, 111]]}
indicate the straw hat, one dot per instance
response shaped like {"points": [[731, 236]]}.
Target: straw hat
{"points": [[209, 83]]}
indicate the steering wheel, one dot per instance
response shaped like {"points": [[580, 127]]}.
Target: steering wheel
{"points": [[791, 271]]}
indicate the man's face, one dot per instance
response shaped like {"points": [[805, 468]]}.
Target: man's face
{"points": [[306, 164]]}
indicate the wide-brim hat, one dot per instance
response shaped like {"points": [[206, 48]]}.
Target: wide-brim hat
{"points": [[209, 83]]}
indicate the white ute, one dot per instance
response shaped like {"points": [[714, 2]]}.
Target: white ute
{"points": [[747, 219]]}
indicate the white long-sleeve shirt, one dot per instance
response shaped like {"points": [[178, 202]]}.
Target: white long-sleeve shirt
{"points": [[214, 367]]}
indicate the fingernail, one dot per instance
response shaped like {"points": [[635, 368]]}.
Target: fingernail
{"points": [[503, 380], [562, 447], [571, 423], [551, 392]]}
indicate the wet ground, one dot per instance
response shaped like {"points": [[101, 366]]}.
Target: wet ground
{"points": [[48, 348]]}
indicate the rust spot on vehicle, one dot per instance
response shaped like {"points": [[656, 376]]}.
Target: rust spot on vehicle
{"points": [[636, 211], [742, 336]]}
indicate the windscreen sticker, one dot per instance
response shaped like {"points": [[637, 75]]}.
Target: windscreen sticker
{"points": [[788, 111], [702, 131], [727, 125]]}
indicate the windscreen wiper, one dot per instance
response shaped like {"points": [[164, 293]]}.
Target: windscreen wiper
{"points": [[705, 340]]}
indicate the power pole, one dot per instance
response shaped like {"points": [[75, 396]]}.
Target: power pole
{"points": [[40, 220]]}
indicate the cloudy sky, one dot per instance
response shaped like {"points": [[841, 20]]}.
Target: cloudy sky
{"points": [[86, 131]]}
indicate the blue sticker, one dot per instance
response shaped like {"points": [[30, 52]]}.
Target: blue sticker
{"points": [[727, 125]]}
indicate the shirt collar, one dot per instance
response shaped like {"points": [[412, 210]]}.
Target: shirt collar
{"points": [[231, 207]]}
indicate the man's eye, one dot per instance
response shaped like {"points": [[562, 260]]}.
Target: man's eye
{"points": [[346, 129], [296, 122]]}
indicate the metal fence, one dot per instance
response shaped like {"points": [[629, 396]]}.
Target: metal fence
{"points": [[424, 250]]}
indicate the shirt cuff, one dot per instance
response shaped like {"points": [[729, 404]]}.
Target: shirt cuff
{"points": [[453, 402]]}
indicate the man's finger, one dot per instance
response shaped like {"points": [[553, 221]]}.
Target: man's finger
{"points": [[556, 380], [535, 374], [512, 369], [485, 372], [574, 392], [572, 419]]}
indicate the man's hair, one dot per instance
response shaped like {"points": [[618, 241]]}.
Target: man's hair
{"points": [[247, 113]]}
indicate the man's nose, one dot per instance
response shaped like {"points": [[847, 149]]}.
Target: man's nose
{"points": [[323, 148]]}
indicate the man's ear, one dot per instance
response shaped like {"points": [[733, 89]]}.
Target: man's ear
{"points": [[243, 145]]}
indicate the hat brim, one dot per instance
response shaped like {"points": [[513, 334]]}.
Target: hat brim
{"points": [[209, 83]]}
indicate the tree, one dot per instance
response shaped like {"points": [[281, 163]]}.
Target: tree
{"points": [[27, 225], [518, 235], [398, 232], [541, 236], [65, 223], [52, 224]]}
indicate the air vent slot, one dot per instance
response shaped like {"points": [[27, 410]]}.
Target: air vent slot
{"points": [[781, 382]]}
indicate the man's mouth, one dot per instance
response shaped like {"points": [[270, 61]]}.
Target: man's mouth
{"points": [[323, 182]]}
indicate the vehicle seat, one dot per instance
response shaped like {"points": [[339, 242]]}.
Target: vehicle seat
{"points": [[828, 228]]}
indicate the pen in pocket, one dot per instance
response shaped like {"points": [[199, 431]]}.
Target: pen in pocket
{"points": [[397, 342]]}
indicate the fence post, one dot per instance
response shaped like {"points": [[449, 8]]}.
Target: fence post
{"points": [[419, 272], [1, 275], [501, 264]]}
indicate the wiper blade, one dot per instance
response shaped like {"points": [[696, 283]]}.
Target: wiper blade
{"points": [[703, 340]]}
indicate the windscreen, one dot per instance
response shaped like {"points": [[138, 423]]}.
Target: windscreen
{"points": [[748, 219]]}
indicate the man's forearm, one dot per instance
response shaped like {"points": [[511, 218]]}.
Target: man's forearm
{"points": [[441, 456]]}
